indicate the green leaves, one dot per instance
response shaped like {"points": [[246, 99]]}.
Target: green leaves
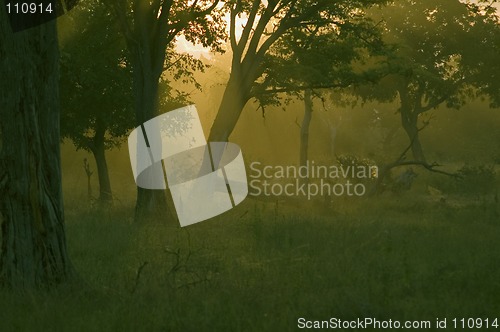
{"points": [[440, 50], [288, 46], [96, 92]]}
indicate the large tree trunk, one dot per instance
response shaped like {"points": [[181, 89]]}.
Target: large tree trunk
{"points": [[304, 129], [233, 101], [150, 204], [231, 106], [34, 250]]}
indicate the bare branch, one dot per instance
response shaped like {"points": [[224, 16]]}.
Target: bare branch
{"points": [[429, 167], [305, 87], [260, 28], [248, 27], [232, 29]]}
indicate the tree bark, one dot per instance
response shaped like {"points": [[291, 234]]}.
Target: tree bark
{"points": [[98, 149], [233, 101], [34, 253], [105, 193], [409, 121], [304, 130], [150, 204]]}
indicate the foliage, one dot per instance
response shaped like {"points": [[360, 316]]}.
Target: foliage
{"points": [[200, 22], [435, 57], [482, 57], [96, 79], [479, 179], [472, 182], [321, 57], [353, 160], [150, 30], [96, 91], [289, 46], [357, 162]]}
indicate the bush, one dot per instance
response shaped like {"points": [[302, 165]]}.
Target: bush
{"points": [[356, 162], [479, 179]]}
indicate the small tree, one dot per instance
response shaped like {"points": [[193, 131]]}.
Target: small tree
{"points": [[96, 89]]}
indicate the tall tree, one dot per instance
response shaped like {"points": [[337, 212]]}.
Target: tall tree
{"points": [[268, 22], [96, 91], [304, 64], [33, 237], [442, 54], [150, 28]]}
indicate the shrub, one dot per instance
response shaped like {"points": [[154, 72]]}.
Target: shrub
{"points": [[479, 179]]}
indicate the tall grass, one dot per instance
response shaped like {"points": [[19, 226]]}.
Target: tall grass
{"points": [[262, 266]]}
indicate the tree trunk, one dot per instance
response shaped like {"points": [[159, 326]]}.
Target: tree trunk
{"points": [[409, 120], [89, 173], [233, 101], [99, 151], [150, 204], [34, 253], [410, 124], [232, 104], [304, 129], [105, 193]]}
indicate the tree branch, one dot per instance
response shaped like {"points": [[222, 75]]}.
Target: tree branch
{"points": [[173, 63], [429, 167], [400, 161], [443, 98], [232, 30], [259, 29], [433, 105], [162, 31], [303, 88], [248, 27], [121, 15], [207, 10]]}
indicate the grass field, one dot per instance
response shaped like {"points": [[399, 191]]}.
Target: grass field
{"points": [[264, 265]]}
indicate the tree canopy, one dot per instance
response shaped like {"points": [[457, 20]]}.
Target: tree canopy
{"points": [[442, 53], [150, 29], [261, 51]]}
